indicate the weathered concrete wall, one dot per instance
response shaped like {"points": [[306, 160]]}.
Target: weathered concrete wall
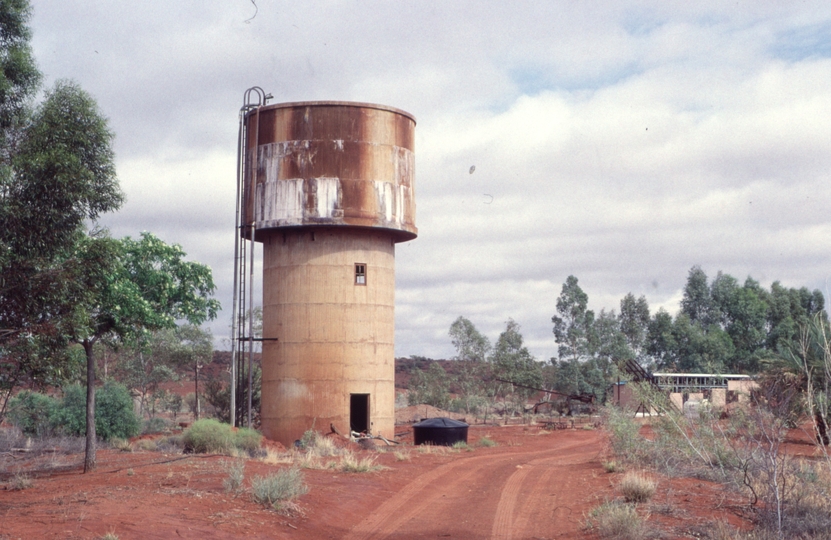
{"points": [[336, 338]]}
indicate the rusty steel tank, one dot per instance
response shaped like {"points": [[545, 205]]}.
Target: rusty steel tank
{"points": [[330, 191]]}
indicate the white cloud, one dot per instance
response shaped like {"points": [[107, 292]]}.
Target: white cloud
{"points": [[619, 142]]}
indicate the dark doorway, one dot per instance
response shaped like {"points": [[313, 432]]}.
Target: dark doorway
{"points": [[359, 412]]}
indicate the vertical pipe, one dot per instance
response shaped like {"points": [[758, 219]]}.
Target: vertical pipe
{"points": [[232, 411], [251, 323]]}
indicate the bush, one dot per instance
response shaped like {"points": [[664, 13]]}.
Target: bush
{"points": [[32, 413], [247, 439], [114, 414], [615, 520], [636, 488], [155, 425], [236, 475], [71, 416], [20, 482], [486, 442], [272, 490], [209, 435]]}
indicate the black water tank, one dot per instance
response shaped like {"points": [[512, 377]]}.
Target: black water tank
{"points": [[440, 431]]}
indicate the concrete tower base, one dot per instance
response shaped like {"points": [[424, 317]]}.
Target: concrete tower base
{"points": [[329, 297]]}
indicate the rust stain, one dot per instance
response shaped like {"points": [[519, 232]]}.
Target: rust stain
{"points": [[350, 164]]}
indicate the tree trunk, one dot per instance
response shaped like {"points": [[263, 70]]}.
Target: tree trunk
{"points": [[89, 453]]}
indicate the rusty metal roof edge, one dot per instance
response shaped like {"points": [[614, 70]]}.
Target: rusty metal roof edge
{"points": [[398, 235], [357, 104]]}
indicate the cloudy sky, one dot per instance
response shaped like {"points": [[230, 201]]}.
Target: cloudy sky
{"points": [[621, 142]]}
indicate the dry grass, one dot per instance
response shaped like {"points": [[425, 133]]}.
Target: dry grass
{"points": [[19, 482], [351, 464], [236, 475], [273, 457], [636, 488], [276, 490], [612, 466], [432, 449], [617, 521]]}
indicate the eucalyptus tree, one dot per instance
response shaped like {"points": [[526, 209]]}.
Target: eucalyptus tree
{"points": [[472, 349], [573, 322], [512, 361]]}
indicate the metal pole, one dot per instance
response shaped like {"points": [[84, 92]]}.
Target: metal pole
{"points": [[235, 308], [251, 325]]}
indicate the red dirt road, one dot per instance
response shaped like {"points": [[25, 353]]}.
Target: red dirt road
{"points": [[532, 493], [533, 485]]}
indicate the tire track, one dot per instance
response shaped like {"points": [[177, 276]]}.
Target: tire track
{"points": [[411, 501], [504, 524]]}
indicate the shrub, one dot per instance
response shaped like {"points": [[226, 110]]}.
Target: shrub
{"points": [[148, 445], [209, 435], [155, 425], [272, 490], [121, 444], [316, 445], [636, 488], [486, 442], [114, 414], [31, 412], [71, 416], [616, 520], [611, 466], [624, 432], [172, 444], [236, 475], [20, 482], [247, 439]]}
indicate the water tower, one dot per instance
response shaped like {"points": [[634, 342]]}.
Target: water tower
{"points": [[328, 189]]}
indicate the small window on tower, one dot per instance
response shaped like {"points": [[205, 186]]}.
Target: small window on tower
{"points": [[360, 274]]}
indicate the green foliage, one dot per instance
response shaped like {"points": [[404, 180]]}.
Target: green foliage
{"points": [[247, 439], [71, 415], [573, 322], [430, 387], [472, 352], [115, 417], [486, 442], [211, 436], [470, 344], [624, 434], [511, 361], [31, 412], [273, 490]]}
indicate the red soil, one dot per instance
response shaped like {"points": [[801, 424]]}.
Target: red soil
{"points": [[534, 484]]}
